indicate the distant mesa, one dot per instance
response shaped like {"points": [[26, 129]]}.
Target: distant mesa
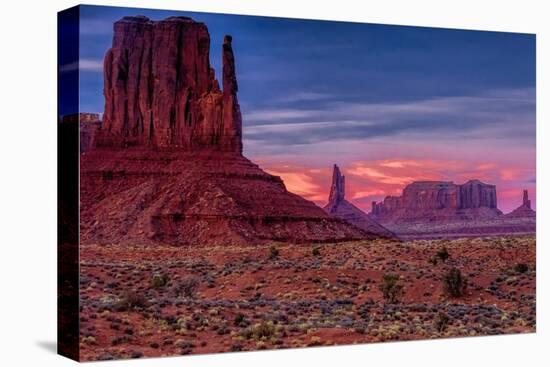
{"points": [[442, 209], [439, 201], [339, 207], [166, 165]]}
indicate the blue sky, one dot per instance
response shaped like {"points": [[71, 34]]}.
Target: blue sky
{"points": [[350, 92]]}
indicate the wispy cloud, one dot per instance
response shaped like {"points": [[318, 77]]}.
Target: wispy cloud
{"points": [[502, 113], [303, 96], [92, 65]]}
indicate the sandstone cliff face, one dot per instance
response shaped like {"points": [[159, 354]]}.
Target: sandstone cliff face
{"points": [[339, 207], [160, 90], [167, 165], [440, 200]]}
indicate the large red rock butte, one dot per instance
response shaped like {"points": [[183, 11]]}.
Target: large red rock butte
{"points": [[160, 90], [167, 164], [439, 201], [339, 207]]}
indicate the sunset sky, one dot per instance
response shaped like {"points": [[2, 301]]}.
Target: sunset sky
{"points": [[388, 104]]}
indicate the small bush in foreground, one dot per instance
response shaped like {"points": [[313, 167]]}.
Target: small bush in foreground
{"points": [[521, 268], [131, 300], [391, 289], [262, 331], [159, 280], [443, 254], [441, 321], [187, 287], [273, 253], [454, 283], [316, 251]]}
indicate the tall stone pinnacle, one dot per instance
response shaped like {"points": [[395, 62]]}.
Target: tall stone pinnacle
{"points": [[526, 201], [161, 92], [232, 119], [338, 187], [339, 207]]}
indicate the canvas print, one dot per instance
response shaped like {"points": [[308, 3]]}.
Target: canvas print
{"points": [[236, 183]]}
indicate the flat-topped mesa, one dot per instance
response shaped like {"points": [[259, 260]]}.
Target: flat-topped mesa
{"points": [[161, 92], [338, 187], [439, 200]]}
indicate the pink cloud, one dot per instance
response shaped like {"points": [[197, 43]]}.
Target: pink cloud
{"points": [[372, 180]]}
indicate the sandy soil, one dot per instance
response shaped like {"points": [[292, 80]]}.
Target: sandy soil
{"points": [[164, 300]]}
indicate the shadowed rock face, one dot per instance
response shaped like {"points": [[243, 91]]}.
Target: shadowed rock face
{"points": [[167, 165], [339, 207], [160, 90]]}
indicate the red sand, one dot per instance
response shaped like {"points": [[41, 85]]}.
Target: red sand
{"points": [[297, 298]]}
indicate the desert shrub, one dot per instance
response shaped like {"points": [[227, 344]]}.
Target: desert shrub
{"points": [[236, 347], [441, 321], [273, 252], [187, 287], [521, 268], [240, 320], [159, 280], [131, 300], [454, 283], [391, 289], [316, 251], [433, 260], [443, 254], [263, 331]]}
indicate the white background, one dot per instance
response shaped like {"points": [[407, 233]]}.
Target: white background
{"points": [[28, 181]]}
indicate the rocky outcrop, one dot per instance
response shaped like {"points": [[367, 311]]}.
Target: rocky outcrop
{"points": [[524, 210], [138, 196], [339, 207], [338, 187], [440, 209], [90, 123], [439, 200], [86, 124], [167, 165], [160, 90]]}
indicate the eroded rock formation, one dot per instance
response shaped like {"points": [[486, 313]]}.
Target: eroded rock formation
{"points": [[524, 210], [160, 90], [339, 207], [439, 200], [167, 166], [438, 209]]}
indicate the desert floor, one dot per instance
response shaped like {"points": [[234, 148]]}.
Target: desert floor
{"points": [[139, 301]]}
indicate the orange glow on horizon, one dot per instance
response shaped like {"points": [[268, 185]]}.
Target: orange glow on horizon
{"points": [[368, 181]]}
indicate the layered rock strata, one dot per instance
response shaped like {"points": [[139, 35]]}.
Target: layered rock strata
{"points": [[167, 164], [160, 90], [439, 200]]}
